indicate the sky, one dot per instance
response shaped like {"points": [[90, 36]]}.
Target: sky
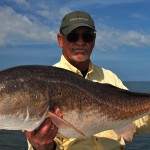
{"points": [[28, 34]]}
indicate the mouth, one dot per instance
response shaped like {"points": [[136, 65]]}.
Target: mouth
{"points": [[78, 48], [79, 52]]}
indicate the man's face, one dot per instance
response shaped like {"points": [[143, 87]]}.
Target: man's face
{"points": [[77, 46]]}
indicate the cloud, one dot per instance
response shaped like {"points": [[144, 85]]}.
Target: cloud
{"points": [[133, 38], [17, 28], [84, 3], [40, 23], [30, 25], [21, 3], [112, 39], [139, 16]]}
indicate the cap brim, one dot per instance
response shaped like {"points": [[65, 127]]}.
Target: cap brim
{"points": [[68, 29]]}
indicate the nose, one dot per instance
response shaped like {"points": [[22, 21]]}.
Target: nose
{"points": [[80, 40]]}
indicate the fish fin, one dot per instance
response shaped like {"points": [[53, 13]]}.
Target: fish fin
{"points": [[61, 136], [127, 132], [64, 126]]}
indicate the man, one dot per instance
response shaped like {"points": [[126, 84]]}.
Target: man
{"points": [[77, 40]]}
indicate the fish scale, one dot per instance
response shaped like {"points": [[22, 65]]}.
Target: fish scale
{"points": [[28, 94]]}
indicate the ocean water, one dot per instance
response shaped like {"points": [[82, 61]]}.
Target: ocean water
{"points": [[15, 140]]}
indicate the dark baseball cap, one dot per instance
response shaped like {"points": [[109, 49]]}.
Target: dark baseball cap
{"points": [[76, 19]]}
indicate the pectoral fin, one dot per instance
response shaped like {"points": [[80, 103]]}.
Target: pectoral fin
{"points": [[66, 129]]}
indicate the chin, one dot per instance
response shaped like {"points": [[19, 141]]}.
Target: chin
{"points": [[80, 58]]}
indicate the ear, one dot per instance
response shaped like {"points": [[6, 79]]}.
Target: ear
{"points": [[60, 39]]}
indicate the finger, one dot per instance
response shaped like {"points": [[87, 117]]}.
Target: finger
{"points": [[58, 112], [49, 136], [44, 128], [29, 134], [39, 132]]}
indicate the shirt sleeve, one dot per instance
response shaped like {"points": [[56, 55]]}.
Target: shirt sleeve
{"points": [[143, 125]]}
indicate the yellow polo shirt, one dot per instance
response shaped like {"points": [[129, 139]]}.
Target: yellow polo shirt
{"points": [[107, 140]]}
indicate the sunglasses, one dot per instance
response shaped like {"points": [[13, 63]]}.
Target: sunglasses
{"points": [[87, 37]]}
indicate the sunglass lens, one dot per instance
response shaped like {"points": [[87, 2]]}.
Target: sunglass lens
{"points": [[72, 37], [88, 37]]}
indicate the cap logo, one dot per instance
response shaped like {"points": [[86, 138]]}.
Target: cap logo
{"points": [[78, 18]]}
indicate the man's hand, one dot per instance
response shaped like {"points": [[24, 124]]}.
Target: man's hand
{"points": [[43, 137]]}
